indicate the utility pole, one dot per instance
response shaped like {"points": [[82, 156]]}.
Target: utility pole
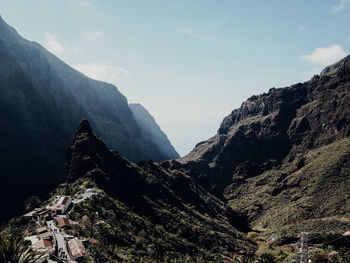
{"points": [[302, 248]]}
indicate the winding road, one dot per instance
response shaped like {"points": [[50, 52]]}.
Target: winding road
{"points": [[61, 244]]}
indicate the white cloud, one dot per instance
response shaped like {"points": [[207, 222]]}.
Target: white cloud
{"points": [[193, 33], [340, 6], [324, 56], [92, 35], [104, 72], [52, 44], [302, 27]]}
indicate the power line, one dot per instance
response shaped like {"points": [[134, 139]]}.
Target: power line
{"points": [[302, 245]]}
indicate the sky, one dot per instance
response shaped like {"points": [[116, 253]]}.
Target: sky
{"points": [[189, 62]]}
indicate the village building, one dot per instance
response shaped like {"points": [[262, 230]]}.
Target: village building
{"points": [[46, 236], [41, 213], [76, 249], [65, 222], [44, 233], [41, 230], [61, 205], [43, 239], [33, 213], [43, 245]]}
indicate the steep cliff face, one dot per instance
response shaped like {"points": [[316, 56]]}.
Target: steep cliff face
{"points": [[151, 131], [280, 125], [164, 194], [42, 99]]}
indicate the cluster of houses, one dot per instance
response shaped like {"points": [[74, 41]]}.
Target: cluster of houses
{"points": [[43, 238], [60, 207]]}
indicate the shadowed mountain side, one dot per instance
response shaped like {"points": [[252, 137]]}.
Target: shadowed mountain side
{"points": [[42, 99], [156, 192], [151, 131]]}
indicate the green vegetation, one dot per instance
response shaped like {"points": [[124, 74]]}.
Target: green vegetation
{"points": [[312, 197], [32, 202], [116, 232], [14, 250]]}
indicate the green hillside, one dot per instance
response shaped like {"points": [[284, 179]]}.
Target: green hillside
{"points": [[308, 194]]}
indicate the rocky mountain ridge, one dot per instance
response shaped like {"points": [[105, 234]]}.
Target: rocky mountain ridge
{"points": [[165, 194], [278, 127]]}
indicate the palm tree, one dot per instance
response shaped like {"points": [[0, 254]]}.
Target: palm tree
{"points": [[13, 250], [246, 258]]}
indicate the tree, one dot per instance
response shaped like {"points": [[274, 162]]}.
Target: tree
{"points": [[109, 235], [267, 257], [13, 250], [97, 254], [247, 258], [342, 257], [31, 202], [92, 215]]}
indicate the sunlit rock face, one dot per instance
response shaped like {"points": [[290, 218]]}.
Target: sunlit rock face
{"points": [[280, 125]]}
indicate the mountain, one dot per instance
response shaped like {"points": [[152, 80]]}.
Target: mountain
{"points": [[42, 99], [309, 195], [283, 160], [163, 201], [277, 127], [151, 131]]}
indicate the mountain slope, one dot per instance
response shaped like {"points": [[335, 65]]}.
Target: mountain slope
{"points": [[281, 126], [42, 99], [150, 130], [164, 195], [283, 160], [310, 196]]}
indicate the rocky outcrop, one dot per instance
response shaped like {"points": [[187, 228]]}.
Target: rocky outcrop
{"points": [[282, 124], [162, 193], [337, 67]]}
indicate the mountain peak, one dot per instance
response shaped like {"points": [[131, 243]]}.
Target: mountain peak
{"points": [[84, 127], [331, 69]]}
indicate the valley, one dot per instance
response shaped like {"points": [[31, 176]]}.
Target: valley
{"points": [[86, 176]]}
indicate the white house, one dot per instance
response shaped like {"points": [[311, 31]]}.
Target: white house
{"points": [[61, 204]]}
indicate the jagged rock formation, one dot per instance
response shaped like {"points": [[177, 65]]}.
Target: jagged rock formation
{"points": [[165, 194], [281, 125], [42, 100], [151, 131]]}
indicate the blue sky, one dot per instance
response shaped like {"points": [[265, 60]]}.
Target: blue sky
{"points": [[189, 62]]}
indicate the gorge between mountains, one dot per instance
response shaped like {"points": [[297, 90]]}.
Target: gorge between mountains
{"points": [[278, 165]]}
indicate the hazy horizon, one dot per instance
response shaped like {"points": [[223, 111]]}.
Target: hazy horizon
{"points": [[189, 65]]}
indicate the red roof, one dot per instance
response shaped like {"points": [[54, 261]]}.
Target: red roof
{"points": [[42, 243], [76, 248], [62, 222]]}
